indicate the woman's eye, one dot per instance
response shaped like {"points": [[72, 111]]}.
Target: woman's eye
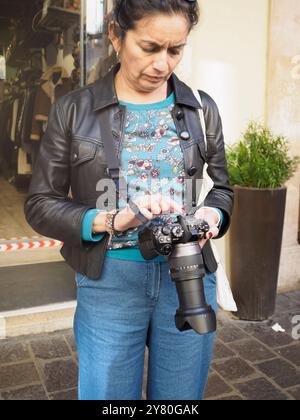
{"points": [[151, 51], [174, 52], [148, 51]]}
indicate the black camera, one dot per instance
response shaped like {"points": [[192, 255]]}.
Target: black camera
{"points": [[178, 241]]}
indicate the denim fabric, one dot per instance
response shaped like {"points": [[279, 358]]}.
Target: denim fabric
{"points": [[133, 305]]}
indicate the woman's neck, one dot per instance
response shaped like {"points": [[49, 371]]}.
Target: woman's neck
{"points": [[127, 94]]}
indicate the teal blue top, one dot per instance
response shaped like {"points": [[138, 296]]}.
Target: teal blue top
{"points": [[152, 162]]}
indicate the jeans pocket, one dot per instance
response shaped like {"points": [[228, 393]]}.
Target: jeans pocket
{"points": [[79, 279]]}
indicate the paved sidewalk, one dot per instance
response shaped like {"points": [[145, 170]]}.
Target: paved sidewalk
{"points": [[251, 361]]}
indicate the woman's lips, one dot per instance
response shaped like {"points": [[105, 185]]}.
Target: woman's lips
{"points": [[155, 78]]}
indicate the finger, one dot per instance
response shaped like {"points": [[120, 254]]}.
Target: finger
{"points": [[199, 214], [144, 201], [213, 232], [171, 205], [149, 202], [177, 208], [155, 204], [164, 206], [145, 212], [155, 207]]}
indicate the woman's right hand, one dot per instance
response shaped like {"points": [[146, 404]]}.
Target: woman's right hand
{"points": [[151, 206]]}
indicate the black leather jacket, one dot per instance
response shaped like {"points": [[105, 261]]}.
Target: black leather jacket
{"points": [[71, 161]]}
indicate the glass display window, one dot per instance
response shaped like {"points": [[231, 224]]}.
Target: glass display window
{"points": [[97, 53]]}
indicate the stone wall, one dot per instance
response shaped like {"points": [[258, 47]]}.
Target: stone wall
{"points": [[283, 116]]}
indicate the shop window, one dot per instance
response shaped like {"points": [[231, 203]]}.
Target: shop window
{"points": [[97, 54], [39, 62], [54, 40]]}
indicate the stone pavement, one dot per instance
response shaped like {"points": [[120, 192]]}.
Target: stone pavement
{"points": [[251, 361]]}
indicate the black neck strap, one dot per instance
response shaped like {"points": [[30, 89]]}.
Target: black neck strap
{"points": [[112, 160]]}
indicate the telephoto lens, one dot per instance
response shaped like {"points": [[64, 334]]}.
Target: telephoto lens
{"points": [[187, 271], [179, 242]]}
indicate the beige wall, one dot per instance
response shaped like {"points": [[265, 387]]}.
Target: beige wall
{"points": [[227, 57], [246, 55], [283, 115]]}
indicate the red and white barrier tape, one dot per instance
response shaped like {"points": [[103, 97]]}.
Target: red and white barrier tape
{"points": [[16, 244]]}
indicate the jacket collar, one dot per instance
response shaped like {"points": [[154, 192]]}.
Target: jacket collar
{"points": [[104, 91]]}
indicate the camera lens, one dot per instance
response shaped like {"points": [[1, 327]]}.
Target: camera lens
{"points": [[179, 242], [187, 270]]}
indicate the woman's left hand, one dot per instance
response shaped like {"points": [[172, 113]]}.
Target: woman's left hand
{"points": [[211, 217]]}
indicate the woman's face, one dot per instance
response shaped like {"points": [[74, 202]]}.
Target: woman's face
{"points": [[150, 52]]}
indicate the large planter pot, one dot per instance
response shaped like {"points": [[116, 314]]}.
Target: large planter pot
{"points": [[255, 247]]}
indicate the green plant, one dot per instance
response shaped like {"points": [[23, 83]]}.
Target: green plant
{"points": [[260, 159]]}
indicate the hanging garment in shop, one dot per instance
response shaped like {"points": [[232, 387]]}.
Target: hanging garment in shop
{"points": [[23, 99], [27, 119], [2, 90], [6, 145], [23, 166], [14, 119], [55, 83]]}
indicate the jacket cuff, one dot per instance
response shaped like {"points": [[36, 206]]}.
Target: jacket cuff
{"points": [[87, 227], [221, 217]]}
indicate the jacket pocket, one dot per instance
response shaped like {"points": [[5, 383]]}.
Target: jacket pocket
{"points": [[82, 151], [86, 170]]}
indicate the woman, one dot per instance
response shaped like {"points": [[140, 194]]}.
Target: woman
{"points": [[125, 302]]}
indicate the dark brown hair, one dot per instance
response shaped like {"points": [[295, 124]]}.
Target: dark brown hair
{"points": [[127, 12]]}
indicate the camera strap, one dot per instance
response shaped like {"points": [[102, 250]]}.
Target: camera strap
{"points": [[113, 168], [201, 116]]}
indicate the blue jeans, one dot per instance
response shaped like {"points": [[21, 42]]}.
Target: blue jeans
{"points": [[131, 305]]}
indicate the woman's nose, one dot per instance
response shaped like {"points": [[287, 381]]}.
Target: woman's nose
{"points": [[161, 63]]}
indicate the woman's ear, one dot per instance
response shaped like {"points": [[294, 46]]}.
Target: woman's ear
{"points": [[114, 36]]}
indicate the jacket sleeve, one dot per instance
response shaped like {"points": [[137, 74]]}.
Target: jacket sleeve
{"points": [[48, 208], [221, 196]]}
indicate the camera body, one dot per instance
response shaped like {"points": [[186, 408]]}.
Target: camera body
{"points": [[160, 239], [179, 242]]}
